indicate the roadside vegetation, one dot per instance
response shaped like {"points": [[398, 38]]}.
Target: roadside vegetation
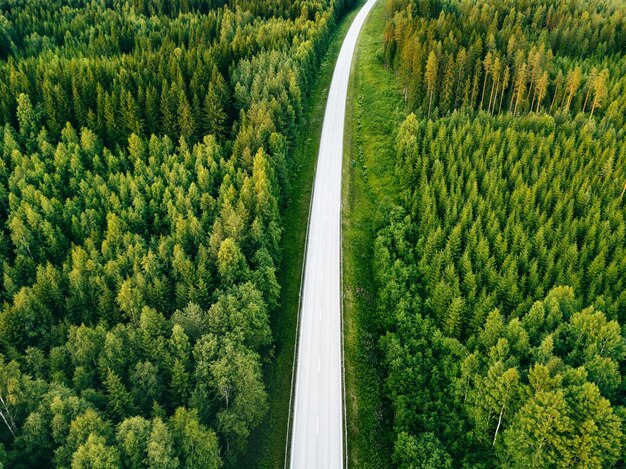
{"points": [[375, 109], [267, 447]]}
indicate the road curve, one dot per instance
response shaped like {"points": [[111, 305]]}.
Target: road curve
{"points": [[317, 431]]}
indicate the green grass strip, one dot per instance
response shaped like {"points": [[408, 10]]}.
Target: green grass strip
{"points": [[375, 111]]}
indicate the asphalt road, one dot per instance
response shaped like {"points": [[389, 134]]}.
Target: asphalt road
{"points": [[317, 431]]}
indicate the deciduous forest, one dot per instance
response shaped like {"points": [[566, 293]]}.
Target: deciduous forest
{"points": [[501, 300], [146, 160]]}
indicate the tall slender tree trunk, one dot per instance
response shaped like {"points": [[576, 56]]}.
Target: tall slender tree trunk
{"points": [[511, 102], [7, 424], [563, 100], [593, 107], [556, 91], [490, 97], [482, 98], [498, 427], [501, 98], [430, 102], [569, 100], [517, 100], [8, 419], [495, 98], [586, 98]]}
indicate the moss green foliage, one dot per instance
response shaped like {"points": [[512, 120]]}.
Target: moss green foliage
{"points": [[500, 273], [147, 154]]}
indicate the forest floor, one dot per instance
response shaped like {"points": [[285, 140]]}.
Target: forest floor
{"points": [[375, 111], [267, 442]]}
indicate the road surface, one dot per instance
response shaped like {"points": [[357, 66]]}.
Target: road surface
{"points": [[317, 431]]}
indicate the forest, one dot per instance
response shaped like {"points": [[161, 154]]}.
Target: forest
{"points": [[501, 296], [146, 160]]}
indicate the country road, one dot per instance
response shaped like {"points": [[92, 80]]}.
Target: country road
{"points": [[318, 428]]}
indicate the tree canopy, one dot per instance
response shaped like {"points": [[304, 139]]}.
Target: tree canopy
{"points": [[500, 276], [146, 153]]}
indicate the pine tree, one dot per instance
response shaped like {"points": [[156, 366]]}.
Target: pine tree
{"points": [[558, 82], [50, 108], [475, 84], [590, 79], [432, 71], [505, 84], [169, 110], [487, 64], [542, 89], [454, 318], [130, 116], [186, 122], [110, 120], [448, 83], [214, 122], [120, 403], [495, 82], [520, 87], [460, 73], [571, 85], [80, 111], [599, 90], [26, 116], [151, 110]]}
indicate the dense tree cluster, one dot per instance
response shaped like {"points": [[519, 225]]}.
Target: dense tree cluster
{"points": [[146, 149], [497, 213], [510, 56], [499, 210], [538, 390], [501, 295]]}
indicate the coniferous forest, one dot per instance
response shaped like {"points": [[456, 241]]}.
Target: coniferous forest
{"points": [[501, 276], [147, 148]]}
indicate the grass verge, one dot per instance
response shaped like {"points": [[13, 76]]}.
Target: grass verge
{"points": [[375, 110], [267, 443]]}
